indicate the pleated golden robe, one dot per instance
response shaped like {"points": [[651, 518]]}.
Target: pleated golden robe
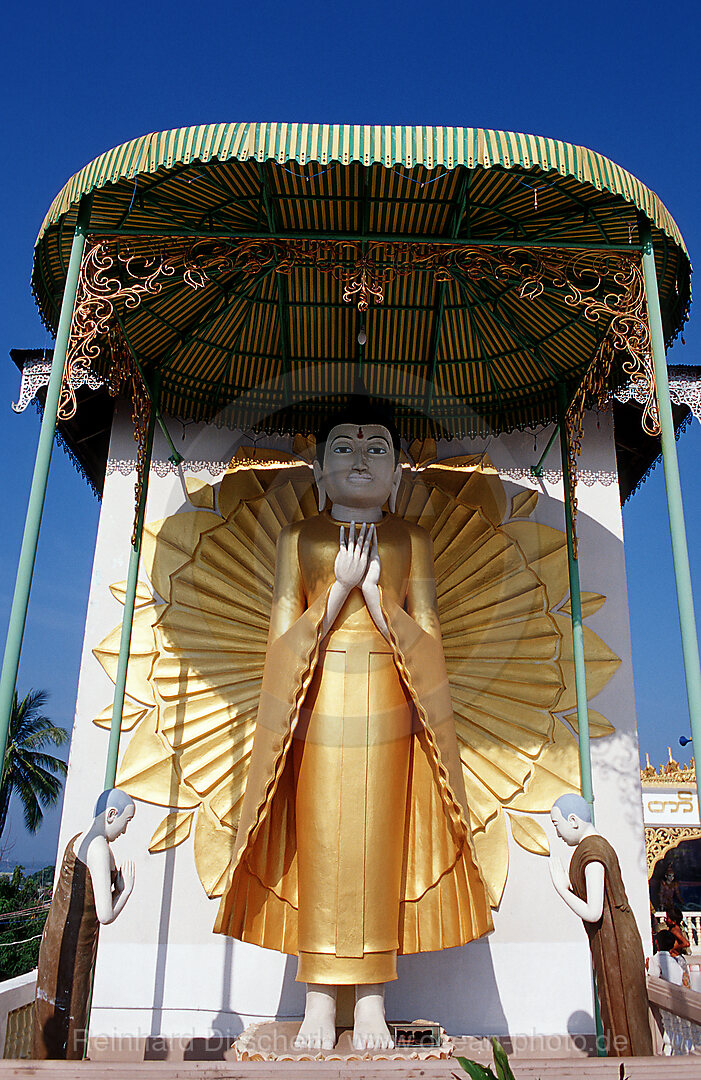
{"points": [[354, 842]]}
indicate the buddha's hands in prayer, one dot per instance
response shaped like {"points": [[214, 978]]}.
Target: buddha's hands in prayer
{"points": [[372, 574], [352, 560], [357, 563]]}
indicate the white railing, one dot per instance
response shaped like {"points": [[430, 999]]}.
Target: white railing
{"points": [[16, 1014], [676, 1013]]}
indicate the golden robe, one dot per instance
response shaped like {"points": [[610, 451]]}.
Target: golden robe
{"points": [[354, 840]]}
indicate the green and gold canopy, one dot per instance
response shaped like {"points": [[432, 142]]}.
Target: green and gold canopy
{"points": [[463, 272]]}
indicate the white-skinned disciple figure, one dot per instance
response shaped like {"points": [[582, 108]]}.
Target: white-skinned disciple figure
{"points": [[593, 889], [354, 841], [90, 889]]}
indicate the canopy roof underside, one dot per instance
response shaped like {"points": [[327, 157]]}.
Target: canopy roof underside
{"points": [[494, 265]]}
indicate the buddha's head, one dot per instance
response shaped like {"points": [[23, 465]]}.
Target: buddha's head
{"points": [[571, 816], [357, 459], [114, 810]]}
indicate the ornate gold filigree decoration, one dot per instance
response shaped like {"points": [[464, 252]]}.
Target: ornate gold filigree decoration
{"points": [[360, 283], [627, 332], [108, 279], [593, 390], [608, 287], [661, 839], [200, 632], [125, 379]]}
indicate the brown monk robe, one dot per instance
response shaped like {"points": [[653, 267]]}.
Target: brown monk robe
{"points": [[617, 954], [66, 958]]}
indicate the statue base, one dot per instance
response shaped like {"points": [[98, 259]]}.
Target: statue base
{"points": [[273, 1040]]}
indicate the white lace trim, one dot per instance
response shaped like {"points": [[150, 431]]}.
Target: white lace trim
{"points": [[684, 389], [36, 374], [162, 468]]}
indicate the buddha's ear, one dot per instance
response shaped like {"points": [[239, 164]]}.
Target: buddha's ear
{"points": [[320, 485], [396, 481]]}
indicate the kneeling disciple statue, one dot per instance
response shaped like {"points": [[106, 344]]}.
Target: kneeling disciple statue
{"points": [[354, 841], [89, 890], [594, 890]]}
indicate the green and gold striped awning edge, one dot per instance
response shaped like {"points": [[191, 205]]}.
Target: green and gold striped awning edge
{"points": [[430, 147]]}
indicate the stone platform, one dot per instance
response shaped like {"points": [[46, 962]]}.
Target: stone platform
{"points": [[533, 1069], [274, 1041]]}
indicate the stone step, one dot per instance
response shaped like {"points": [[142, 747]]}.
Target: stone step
{"points": [[652, 1068]]}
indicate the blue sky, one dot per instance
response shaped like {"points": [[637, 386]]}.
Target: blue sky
{"points": [[620, 78]]}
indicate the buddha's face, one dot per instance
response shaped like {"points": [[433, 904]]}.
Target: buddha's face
{"points": [[358, 470], [567, 828]]}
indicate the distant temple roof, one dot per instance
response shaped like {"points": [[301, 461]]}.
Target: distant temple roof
{"points": [[670, 773]]}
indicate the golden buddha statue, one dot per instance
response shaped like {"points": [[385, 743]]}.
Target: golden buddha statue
{"points": [[354, 841]]}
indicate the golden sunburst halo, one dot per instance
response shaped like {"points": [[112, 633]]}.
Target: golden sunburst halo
{"points": [[200, 631]]}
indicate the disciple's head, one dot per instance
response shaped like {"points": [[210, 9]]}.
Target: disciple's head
{"points": [[117, 808], [357, 459], [571, 816]]}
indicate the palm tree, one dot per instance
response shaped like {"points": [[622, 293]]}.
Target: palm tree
{"points": [[28, 769]]}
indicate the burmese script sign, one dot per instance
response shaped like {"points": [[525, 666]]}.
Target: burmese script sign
{"points": [[671, 806]]}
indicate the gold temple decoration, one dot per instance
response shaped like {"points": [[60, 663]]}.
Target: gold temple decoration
{"points": [[661, 839], [100, 294], [199, 643], [359, 282], [671, 774], [125, 379], [627, 332], [607, 287]]}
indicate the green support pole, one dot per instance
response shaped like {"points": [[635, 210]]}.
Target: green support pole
{"points": [[580, 674], [537, 470], [37, 493], [129, 602], [675, 508]]}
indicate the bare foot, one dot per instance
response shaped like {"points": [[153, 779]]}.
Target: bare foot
{"points": [[370, 1032], [318, 1030]]}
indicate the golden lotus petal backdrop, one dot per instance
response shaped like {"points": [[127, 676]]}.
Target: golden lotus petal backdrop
{"points": [[199, 648]]}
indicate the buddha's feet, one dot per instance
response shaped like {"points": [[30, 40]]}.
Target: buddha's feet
{"points": [[318, 1030], [370, 1032]]}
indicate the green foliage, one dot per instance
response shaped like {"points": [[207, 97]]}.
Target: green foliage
{"points": [[18, 893], [35, 776], [483, 1072], [476, 1071], [501, 1061]]}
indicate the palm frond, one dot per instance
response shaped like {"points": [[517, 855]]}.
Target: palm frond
{"points": [[49, 733], [35, 776], [47, 761], [31, 809]]}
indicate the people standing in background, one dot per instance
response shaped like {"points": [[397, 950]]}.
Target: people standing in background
{"points": [[665, 965], [674, 919]]}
